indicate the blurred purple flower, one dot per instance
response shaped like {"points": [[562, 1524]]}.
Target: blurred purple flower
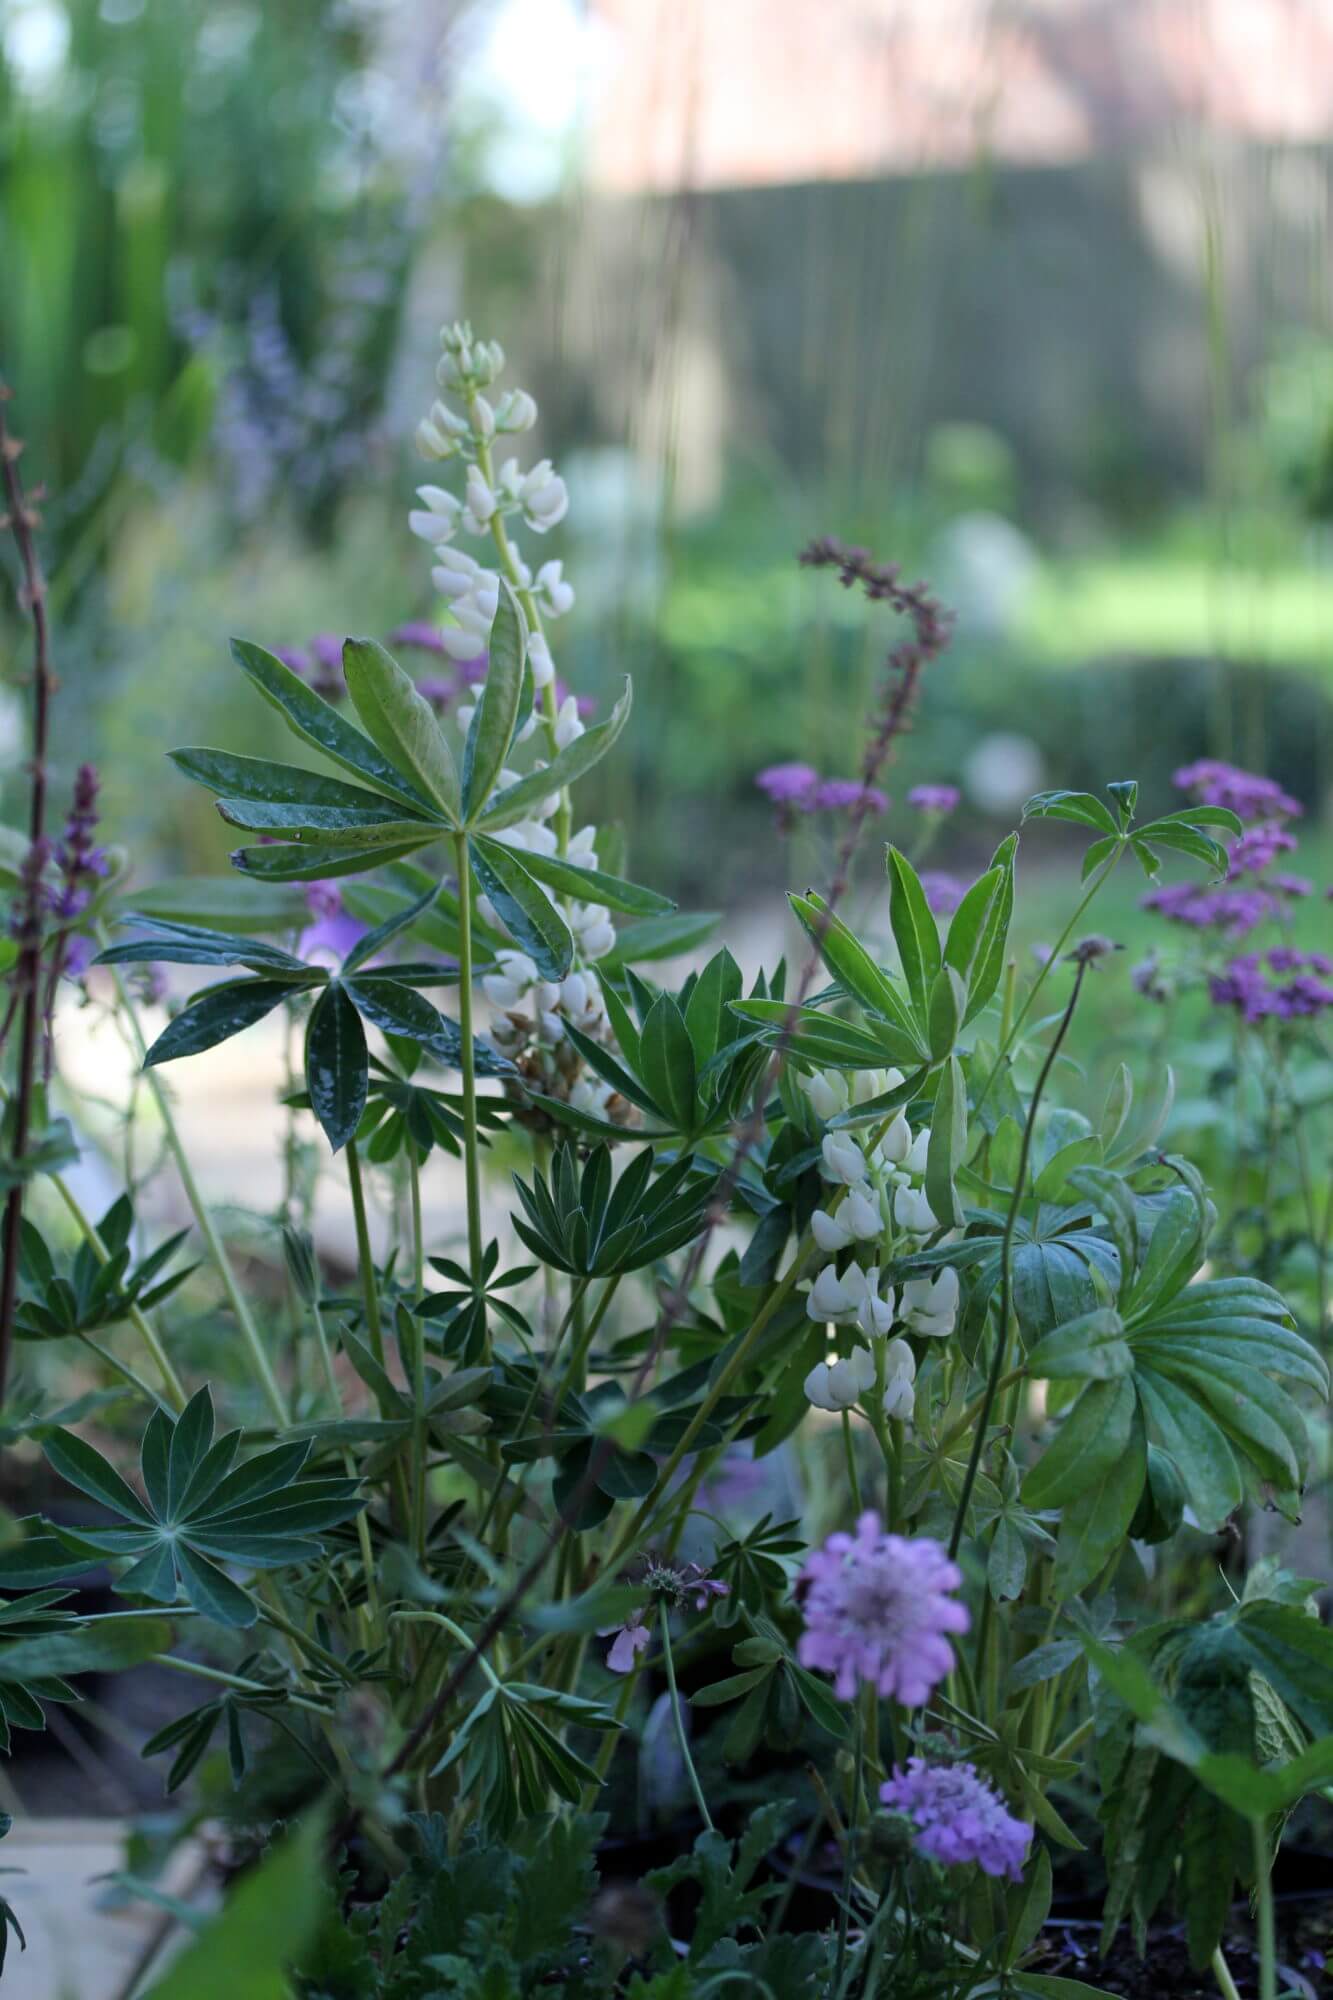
{"points": [[1258, 847], [841, 794], [1244, 793], [1294, 886], [877, 1608], [943, 892], [789, 785], [586, 704], [293, 657], [631, 1639], [438, 690], [1231, 911], [934, 798], [958, 1817], [1247, 986], [419, 634], [334, 930]]}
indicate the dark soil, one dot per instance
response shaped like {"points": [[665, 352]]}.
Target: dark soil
{"points": [[1305, 1941]]}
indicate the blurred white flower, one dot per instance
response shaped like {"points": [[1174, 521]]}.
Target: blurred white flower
{"points": [[568, 725], [539, 659], [557, 595], [896, 1144], [877, 1311], [437, 520], [544, 497], [483, 419], [481, 502], [515, 411]]}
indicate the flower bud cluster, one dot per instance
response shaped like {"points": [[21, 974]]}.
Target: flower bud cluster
{"points": [[883, 1204]]}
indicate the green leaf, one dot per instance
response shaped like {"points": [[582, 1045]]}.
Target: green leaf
{"points": [[1095, 1523], [263, 782], [336, 1064], [316, 722], [948, 1143], [105, 1645], [1092, 1347], [215, 1017], [1090, 1441], [849, 961], [402, 723], [1083, 808], [659, 937], [496, 715], [915, 931], [223, 903], [324, 826], [666, 1062], [569, 764], [1027, 1906], [523, 906], [591, 886], [707, 1011], [944, 1009], [303, 861], [267, 1923]]}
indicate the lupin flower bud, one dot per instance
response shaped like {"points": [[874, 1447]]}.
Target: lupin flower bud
{"points": [[539, 659], [930, 1305], [827, 1092], [836, 1298], [876, 1312], [481, 502], [483, 418], [899, 1380], [436, 520], [557, 596], [841, 1159], [568, 727]]}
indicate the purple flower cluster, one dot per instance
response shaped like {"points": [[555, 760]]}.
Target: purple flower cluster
{"points": [[934, 798], [958, 1817], [943, 892], [1281, 984], [81, 862], [797, 788], [877, 1608], [333, 929], [1257, 848], [1234, 912], [1244, 793]]}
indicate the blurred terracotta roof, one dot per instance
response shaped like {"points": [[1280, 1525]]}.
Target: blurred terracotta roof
{"points": [[712, 93]]}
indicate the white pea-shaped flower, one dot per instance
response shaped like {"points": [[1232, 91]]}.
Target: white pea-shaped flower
{"points": [[544, 497], [899, 1380], [842, 1159], [877, 1311], [930, 1305], [912, 1212], [556, 594], [896, 1144], [827, 1092], [839, 1385], [856, 1220], [834, 1298], [568, 723], [539, 659], [916, 1158], [481, 502], [436, 520]]}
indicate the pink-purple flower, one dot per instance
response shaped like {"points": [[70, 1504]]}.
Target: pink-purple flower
{"points": [[1282, 984], [631, 1639], [877, 1608], [943, 892], [1244, 793], [958, 1817], [796, 787], [790, 785], [934, 798]]}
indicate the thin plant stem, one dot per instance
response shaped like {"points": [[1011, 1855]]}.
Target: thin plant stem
{"points": [[679, 1719], [1099, 876], [122, 1368], [1222, 1974], [21, 520], [849, 1448], [418, 1237], [849, 1852], [349, 1466], [467, 1067], [455, 1632], [1006, 1265], [370, 1291], [1263, 1901], [171, 1382], [217, 1250], [216, 1674]]}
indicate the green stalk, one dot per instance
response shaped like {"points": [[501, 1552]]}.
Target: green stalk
{"points": [[1222, 1974], [217, 1250], [1006, 1263], [849, 1447], [138, 1320], [1263, 1898], [370, 1291], [467, 1065], [123, 1368], [349, 1466], [1099, 876], [215, 1674], [418, 1236], [679, 1720]]}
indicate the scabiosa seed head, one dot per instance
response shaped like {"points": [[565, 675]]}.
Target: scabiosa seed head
{"points": [[958, 1817], [877, 1608]]}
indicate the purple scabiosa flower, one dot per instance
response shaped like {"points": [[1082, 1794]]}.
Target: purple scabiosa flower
{"points": [[1244, 793], [841, 794], [1301, 990], [958, 1817], [943, 892], [934, 798], [877, 1608], [293, 657], [1232, 911], [790, 786], [416, 632], [1293, 886], [1258, 847]]}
